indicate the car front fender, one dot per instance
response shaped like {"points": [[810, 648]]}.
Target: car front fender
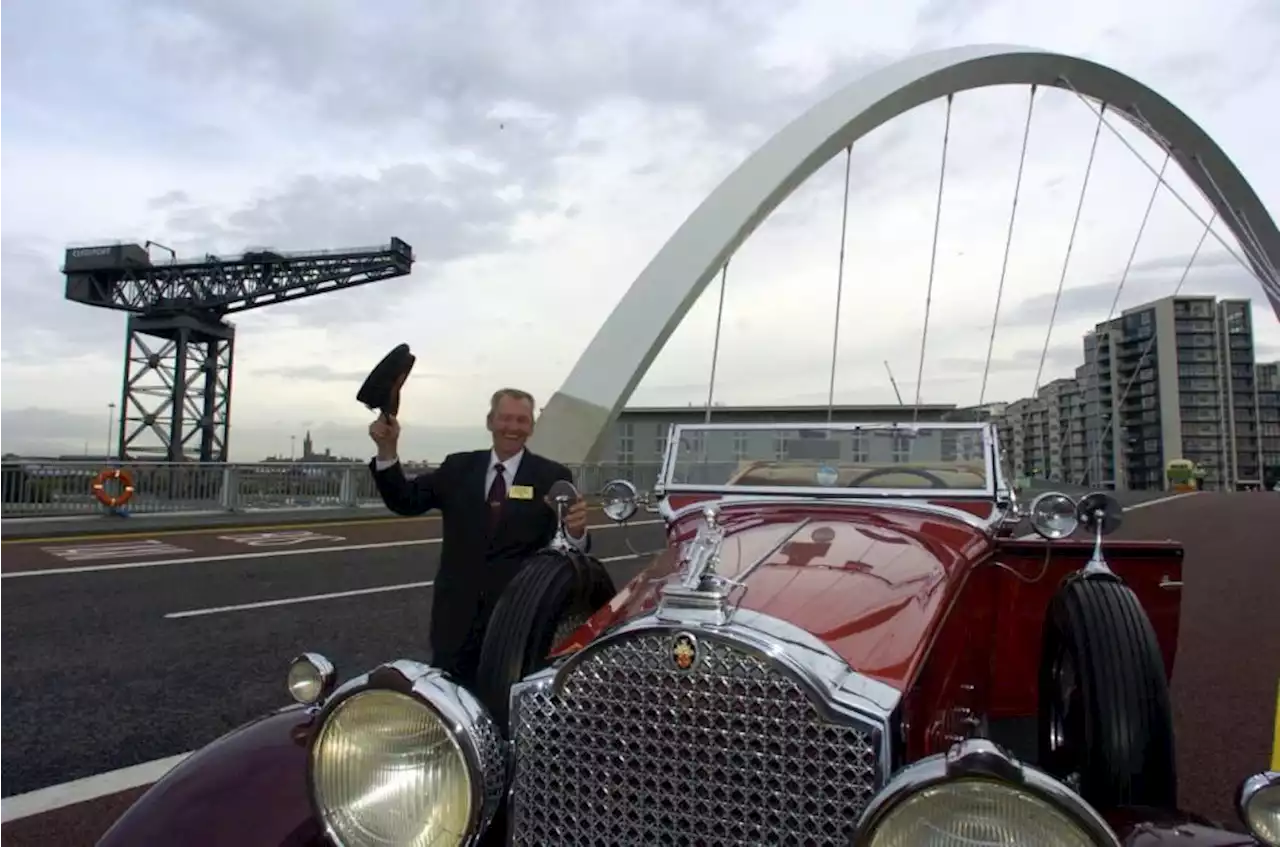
{"points": [[247, 788]]}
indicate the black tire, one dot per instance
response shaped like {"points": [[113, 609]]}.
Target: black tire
{"points": [[551, 593], [1112, 729]]}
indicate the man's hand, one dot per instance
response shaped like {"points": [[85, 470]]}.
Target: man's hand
{"points": [[575, 521], [386, 434]]}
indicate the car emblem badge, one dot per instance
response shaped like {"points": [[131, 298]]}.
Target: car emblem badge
{"points": [[684, 651]]}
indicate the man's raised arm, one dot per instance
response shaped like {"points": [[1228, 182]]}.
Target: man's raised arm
{"points": [[404, 496]]}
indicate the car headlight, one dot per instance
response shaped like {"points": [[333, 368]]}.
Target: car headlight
{"points": [[405, 756], [976, 794], [1258, 802], [311, 678]]}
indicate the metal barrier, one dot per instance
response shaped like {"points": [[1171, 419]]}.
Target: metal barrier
{"points": [[38, 488]]}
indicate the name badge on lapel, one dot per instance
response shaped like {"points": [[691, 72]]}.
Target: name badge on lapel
{"points": [[521, 492]]}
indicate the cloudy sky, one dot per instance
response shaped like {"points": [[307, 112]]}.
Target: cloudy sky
{"points": [[537, 154]]}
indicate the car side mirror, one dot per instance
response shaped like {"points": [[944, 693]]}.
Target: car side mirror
{"points": [[619, 500]]}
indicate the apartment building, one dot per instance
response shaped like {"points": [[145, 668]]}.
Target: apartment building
{"points": [[1044, 436], [1170, 379], [1267, 385]]}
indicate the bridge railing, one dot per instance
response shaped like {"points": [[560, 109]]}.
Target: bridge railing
{"points": [[58, 488]]}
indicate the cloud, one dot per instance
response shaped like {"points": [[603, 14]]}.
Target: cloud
{"points": [[1157, 279], [536, 157], [325, 373]]}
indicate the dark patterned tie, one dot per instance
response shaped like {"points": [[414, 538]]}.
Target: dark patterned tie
{"points": [[497, 494]]}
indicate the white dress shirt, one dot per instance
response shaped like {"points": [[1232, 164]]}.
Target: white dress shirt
{"points": [[510, 466]]}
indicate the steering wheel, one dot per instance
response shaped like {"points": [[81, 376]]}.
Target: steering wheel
{"points": [[857, 481]]}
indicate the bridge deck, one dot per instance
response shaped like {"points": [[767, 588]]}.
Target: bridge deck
{"points": [[120, 614]]}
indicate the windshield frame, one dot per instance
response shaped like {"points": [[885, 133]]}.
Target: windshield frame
{"points": [[990, 445]]}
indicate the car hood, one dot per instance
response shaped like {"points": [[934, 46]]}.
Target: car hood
{"points": [[872, 582]]}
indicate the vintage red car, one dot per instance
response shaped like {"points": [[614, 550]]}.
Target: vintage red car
{"points": [[843, 643]]}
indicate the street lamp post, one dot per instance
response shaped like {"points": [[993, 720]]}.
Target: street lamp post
{"points": [[111, 419]]}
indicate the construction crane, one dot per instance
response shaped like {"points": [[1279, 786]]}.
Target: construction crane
{"points": [[894, 383], [176, 398]]}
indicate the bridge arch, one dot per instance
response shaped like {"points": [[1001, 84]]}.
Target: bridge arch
{"points": [[578, 417]]}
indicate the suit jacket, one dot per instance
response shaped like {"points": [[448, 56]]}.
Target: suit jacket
{"points": [[475, 563]]}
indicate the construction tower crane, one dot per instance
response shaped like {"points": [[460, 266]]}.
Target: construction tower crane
{"points": [[176, 399]]}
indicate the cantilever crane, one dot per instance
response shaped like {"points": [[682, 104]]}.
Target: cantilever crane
{"points": [[178, 356]]}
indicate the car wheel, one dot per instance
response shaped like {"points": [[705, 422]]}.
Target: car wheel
{"points": [[551, 596], [1105, 721]]}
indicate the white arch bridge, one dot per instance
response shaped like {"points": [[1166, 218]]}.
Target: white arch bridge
{"points": [[576, 419]]}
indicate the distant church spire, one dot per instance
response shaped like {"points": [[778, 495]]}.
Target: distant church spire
{"points": [[306, 446]]}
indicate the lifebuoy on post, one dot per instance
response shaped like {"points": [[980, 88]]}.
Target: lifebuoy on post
{"points": [[126, 487]]}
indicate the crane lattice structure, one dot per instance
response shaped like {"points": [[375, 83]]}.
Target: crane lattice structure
{"points": [[176, 398]]}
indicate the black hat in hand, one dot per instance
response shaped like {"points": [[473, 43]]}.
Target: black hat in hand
{"points": [[381, 389]]}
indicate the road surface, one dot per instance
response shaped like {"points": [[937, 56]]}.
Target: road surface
{"points": [[133, 649]]}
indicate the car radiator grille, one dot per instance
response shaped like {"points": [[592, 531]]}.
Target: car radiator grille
{"points": [[633, 751]]}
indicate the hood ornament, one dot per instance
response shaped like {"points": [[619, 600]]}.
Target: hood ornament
{"points": [[704, 553], [700, 588]]}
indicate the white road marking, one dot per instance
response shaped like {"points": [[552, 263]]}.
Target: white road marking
{"points": [[306, 598], [231, 557], [89, 788], [334, 595], [114, 550], [1156, 502], [1144, 504], [283, 538], [113, 782]]}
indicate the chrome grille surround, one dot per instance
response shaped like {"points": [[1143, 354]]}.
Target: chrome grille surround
{"points": [[767, 738]]}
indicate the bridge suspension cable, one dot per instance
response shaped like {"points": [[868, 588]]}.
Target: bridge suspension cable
{"points": [[1008, 242], [1071, 242], [1273, 284], [835, 332], [933, 259], [715, 346], [1146, 351]]}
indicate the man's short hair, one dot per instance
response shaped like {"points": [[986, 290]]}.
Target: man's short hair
{"points": [[514, 394]]}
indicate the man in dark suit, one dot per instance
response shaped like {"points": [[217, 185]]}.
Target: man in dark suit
{"points": [[494, 513]]}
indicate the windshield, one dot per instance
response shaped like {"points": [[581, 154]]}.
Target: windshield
{"points": [[869, 458]]}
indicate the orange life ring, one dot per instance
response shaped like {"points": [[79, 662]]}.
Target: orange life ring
{"points": [[126, 487]]}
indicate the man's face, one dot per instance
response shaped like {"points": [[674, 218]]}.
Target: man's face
{"points": [[511, 423]]}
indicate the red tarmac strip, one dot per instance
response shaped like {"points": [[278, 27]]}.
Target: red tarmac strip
{"points": [[88, 552]]}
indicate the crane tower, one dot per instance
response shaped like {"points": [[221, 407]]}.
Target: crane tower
{"points": [[175, 403]]}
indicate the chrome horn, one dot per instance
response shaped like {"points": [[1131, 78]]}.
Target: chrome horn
{"points": [[1100, 514], [562, 495]]}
